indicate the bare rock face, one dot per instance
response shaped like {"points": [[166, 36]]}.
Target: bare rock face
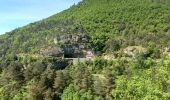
{"points": [[109, 56], [55, 51], [166, 51], [72, 38], [70, 46], [132, 51]]}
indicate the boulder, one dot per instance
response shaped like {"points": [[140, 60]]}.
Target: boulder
{"points": [[109, 56], [132, 51], [166, 51]]}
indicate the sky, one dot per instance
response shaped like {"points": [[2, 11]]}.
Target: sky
{"points": [[17, 13]]}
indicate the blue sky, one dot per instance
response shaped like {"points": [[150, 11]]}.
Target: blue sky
{"points": [[17, 13]]}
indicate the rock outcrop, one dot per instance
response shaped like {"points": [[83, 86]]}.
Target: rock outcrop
{"points": [[70, 46], [52, 51], [132, 51], [72, 38], [166, 51]]}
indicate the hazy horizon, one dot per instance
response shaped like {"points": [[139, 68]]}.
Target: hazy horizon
{"points": [[18, 13]]}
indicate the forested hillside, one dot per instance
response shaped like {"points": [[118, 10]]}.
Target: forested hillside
{"points": [[130, 40]]}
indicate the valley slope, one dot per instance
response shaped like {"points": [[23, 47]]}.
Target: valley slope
{"points": [[128, 39]]}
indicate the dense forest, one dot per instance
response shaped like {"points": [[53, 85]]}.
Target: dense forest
{"points": [[130, 41]]}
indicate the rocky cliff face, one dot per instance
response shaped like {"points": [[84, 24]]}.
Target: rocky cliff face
{"points": [[132, 51], [70, 46], [52, 51], [72, 39]]}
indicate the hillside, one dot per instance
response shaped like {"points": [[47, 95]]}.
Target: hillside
{"points": [[127, 39], [102, 20]]}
